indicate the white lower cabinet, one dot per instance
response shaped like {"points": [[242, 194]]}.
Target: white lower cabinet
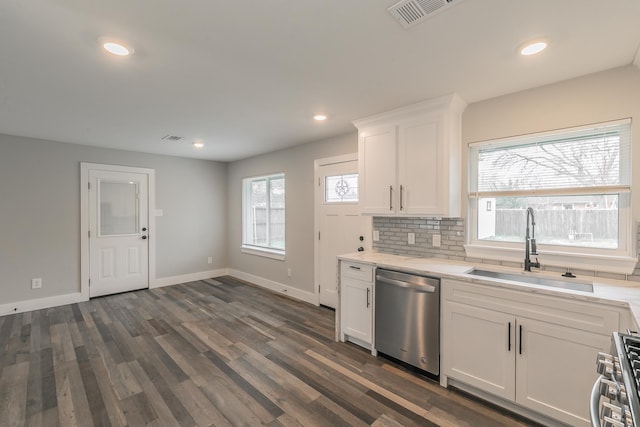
{"points": [[356, 303], [478, 351], [555, 370], [535, 351]]}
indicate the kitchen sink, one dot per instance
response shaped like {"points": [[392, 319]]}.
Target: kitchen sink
{"points": [[541, 281]]}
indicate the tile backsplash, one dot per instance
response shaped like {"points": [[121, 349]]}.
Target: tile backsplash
{"points": [[393, 240]]}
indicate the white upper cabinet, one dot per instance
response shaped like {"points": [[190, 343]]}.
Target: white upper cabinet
{"points": [[409, 159]]}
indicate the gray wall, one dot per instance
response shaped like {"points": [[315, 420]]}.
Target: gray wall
{"points": [[297, 164], [40, 214]]}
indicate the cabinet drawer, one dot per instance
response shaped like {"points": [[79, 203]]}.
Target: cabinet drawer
{"points": [[362, 272]]}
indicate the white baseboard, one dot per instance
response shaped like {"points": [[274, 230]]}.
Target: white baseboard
{"points": [[191, 277], [296, 293], [40, 303]]}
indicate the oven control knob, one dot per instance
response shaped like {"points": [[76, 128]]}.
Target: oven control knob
{"points": [[622, 394], [609, 389], [605, 368], [610, 422], [611, 411], [604, 356]]}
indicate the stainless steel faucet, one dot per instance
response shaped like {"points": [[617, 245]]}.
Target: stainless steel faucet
{"points": [[530, 243]]}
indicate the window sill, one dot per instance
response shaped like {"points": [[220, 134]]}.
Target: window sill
{"points": [[263, 252], [621, 264]]}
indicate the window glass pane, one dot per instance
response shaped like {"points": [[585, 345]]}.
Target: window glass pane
{"points": [[118, 208], [579, 221], [341, 188], [276, 213], [587, 162], [258, 213]]}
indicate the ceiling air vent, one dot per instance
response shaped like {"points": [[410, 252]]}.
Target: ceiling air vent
{"points": [[171, 138], [410, 12]]}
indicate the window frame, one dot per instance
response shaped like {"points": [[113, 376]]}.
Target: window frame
{"points": [[621, 260], [252, 248]]}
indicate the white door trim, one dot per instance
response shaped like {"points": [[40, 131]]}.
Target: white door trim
{"points": [[318, 197], [85, 261]]}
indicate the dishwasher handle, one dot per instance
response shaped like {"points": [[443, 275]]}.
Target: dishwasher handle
{"points": [[403, 284]]}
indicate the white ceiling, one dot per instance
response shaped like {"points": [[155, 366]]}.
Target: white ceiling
{"points": [[247, 76]]}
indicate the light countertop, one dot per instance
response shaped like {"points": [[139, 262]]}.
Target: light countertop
{"points": [[618, 293]]}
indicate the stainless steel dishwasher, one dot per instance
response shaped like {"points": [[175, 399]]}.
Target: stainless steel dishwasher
{"points": [[407, 318]]}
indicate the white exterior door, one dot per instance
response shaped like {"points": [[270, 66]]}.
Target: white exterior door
{"points": [[341, 227], [118, 231]]}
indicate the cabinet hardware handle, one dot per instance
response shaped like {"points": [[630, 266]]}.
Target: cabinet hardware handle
{"points": [[368, 291], [520, 350], [354, 267], [391, 197], [401, 191], [509, 336]]}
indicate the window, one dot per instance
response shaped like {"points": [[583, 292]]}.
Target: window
{"points": [[264, 215], [341, 188], [576, 180]]}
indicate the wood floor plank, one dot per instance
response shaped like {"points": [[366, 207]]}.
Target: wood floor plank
{"points": [[93, 394], [203, 411], [165, 415], [13, 392], [48, 382], [138, 410], [34, 387]]}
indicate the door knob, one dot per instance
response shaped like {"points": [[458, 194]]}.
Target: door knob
{"points": [[361, 238], [144, 237], [144, 228], [360, 249]]}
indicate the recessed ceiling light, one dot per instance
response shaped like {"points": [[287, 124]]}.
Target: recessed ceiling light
{"points": [[198, 144], [320, 117], [116, 47], [533, 47]]}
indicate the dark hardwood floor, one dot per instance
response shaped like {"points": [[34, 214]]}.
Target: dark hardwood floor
{"points": [[218, 352]]}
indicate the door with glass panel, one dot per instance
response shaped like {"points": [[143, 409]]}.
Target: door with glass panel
{"points": [[342, 228], [118, 232]]}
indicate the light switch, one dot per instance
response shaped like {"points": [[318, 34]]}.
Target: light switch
{"points": [[376, 235], [437, 240]]}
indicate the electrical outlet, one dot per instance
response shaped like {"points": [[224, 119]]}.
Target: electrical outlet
{"points": [[411, 239], [288, 272], [376, 235], [437, 240], [209, 260], [36, 283]]}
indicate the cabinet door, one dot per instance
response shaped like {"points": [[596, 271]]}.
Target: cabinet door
{"points": [[378, 171], [356, 309], [420, 168], [480, 348], [556, 369]]}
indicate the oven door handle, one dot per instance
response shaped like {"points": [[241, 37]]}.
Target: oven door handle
{"points": [[594, 405]]}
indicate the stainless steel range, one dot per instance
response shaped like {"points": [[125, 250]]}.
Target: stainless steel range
{"points": [[615, 398]]}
